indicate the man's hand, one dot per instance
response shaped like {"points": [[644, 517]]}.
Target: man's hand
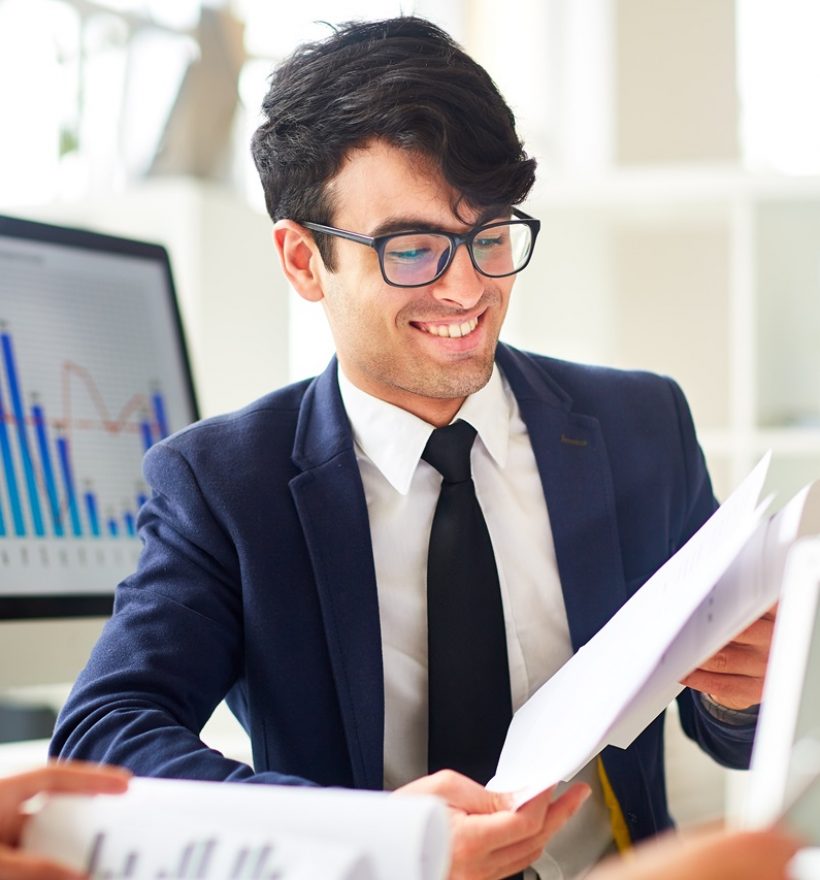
{"points": [[69, 778], [489, 839], [705, 855], [734, 676]]}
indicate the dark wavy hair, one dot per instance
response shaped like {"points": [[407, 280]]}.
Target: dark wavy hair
{"points": [[403, 80]]}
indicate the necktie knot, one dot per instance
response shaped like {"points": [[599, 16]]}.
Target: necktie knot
{"points": [[448, 451]]}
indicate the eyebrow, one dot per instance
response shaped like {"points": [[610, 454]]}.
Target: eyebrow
{"points": [[394, 224]]}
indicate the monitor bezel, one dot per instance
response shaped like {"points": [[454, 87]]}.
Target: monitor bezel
{"points": [[53, 606]]}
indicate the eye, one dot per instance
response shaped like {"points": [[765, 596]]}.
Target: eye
{"points": [[486, 242], [408, 255]]}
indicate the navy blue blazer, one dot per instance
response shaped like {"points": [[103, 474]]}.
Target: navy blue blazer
{"points": [[256, 581]]}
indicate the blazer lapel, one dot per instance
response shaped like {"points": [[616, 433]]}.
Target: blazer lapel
{"points": [[574, 468], [331, 505]]}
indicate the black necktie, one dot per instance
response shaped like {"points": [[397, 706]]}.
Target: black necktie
{"points": [[469, 681]]}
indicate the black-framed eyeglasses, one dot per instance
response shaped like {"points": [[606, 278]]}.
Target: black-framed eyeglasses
{"points": [[417, 258]]}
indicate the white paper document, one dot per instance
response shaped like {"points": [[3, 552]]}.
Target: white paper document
{"points": [[725, 577], [231, 831], [784, 782]]}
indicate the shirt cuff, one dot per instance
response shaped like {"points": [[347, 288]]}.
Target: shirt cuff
{"points": [[735, 717]]}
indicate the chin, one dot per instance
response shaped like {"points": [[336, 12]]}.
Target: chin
{"points": [[454, 383]]}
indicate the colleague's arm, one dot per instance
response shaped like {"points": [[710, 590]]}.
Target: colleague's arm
{"points": [[16, 790], [705, 855]]}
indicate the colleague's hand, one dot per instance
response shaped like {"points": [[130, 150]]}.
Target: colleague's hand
{"points": [[67, 778], [713, 854], [489, 839], [734, 676]]}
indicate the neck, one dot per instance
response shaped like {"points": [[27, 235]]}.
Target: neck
{"points": [[436, 412]]}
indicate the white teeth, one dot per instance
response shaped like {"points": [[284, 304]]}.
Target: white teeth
{"points": [[451, 331]]}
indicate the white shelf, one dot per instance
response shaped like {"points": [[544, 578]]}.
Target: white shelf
{"points": [[708, 274], [671, 187]]}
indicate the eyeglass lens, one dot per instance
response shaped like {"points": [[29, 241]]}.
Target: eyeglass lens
{"points": [[417, 258]]}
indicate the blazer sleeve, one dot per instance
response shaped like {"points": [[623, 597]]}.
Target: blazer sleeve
{"points": [[173, 648], [729, 743]]}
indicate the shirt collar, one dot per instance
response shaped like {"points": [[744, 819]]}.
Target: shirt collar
{"points": [[394, 439]]}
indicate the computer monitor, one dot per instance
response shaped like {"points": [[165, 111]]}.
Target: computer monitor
{"points": [[93, 371]]}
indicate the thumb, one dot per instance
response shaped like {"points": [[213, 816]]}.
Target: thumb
{"points": [[460, 792]]}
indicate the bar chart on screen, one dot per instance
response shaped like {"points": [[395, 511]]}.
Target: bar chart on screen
{"points": [[44, 495], [89, 381]]}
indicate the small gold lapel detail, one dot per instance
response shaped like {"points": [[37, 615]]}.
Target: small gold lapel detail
{"points": [[573, 441]]}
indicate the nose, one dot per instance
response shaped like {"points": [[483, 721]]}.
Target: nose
{"points": [[461, 284]]}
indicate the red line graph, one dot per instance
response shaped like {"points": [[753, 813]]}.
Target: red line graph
{"points": [[138, 404], [117, 424]]}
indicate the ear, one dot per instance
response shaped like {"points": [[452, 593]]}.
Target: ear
{"points": [[300, 259]]}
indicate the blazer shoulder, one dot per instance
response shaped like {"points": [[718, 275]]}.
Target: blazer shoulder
{"points": [[277, 409], [592, 388], [238, 446]]}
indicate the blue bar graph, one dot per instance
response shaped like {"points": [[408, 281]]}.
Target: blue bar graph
{"points": [[159, 414], [68, 482], [91, 511], [147, 439], [39, 420], [11, 478], [22, 434], [41, 497]]}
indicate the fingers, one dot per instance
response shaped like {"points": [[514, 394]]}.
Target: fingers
{"points": [[736, 659], [564, 808], [503, 843], [66, 778], [759, 634], [732, 691], [734, 675], [517, 856], [490, 840], [16, 865]]}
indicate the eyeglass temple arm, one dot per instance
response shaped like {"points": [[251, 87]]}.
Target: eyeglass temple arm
{"points": [[340, 233]]}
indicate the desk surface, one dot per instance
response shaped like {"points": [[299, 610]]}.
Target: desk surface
{"points": [[222, 732], [19, 756]]}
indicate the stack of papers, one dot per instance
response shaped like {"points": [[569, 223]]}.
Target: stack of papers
{"points": [[725, 577], [233, 831]]}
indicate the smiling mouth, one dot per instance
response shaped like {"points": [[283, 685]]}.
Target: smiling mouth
{"points": [[454, 330]]}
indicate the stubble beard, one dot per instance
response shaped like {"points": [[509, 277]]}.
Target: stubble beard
{"points": [[458, 379]]}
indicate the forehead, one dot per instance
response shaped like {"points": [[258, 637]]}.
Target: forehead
{"points": [[379, 181]]}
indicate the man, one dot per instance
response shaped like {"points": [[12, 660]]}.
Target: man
{"points": [[286, 559]]}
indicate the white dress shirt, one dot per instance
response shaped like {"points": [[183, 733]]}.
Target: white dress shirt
{"points": [[401, 491]]}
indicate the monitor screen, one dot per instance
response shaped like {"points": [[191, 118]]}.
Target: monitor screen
{"points": [[93, 371]]}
